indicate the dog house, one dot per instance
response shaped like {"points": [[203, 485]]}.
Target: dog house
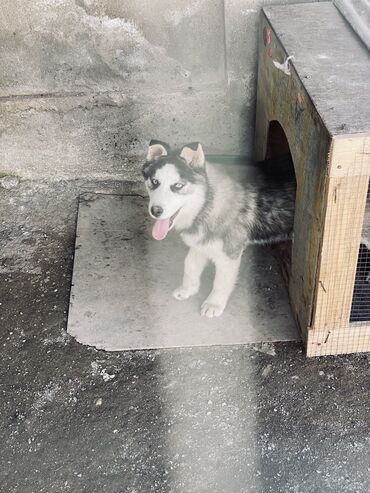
{"points": [[314, 94]]}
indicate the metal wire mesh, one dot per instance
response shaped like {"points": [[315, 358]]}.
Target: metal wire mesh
{"points": [[342, 304], [360, 310]]}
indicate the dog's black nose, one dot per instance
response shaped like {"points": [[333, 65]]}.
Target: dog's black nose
{"points": [[156, 210]]}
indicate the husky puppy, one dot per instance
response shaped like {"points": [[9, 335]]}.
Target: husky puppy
{"points": [[215, 216]]}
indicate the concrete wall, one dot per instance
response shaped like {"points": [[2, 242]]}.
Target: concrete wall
{"points": [[85, 84]]}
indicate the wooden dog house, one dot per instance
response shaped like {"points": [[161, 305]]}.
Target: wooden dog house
{"points": [[314, 84]]}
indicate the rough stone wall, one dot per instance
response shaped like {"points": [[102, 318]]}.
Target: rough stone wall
{"points": [[85, 84]]}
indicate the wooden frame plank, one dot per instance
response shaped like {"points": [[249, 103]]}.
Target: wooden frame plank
{"points": [[345, 205], [355, 338], [350, 155]]}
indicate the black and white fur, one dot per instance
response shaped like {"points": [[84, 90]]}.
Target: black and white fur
{"points": [[215, 216]]}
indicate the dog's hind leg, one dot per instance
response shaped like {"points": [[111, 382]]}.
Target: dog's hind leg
{"points": [[195, 263], [227, 270]]}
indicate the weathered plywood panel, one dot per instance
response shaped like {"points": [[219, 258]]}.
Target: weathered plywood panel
{"points": [[283, 98], [123, 279], [331, 61]]}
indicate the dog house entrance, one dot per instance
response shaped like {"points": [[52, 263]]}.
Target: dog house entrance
{"points": [[277, 143], [277, 149]]}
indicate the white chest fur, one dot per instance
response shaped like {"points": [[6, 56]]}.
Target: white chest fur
{"points": [[213, 249]]}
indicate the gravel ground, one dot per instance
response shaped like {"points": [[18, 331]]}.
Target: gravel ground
{"points": [[258, 418]]}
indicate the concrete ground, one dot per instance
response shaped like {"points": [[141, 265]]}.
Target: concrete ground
{"points": [[253, 418]]}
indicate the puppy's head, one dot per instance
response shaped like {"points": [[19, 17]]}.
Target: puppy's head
{"points": [[171, 178]]}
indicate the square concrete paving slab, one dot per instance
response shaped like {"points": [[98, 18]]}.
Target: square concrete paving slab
{"points": [[123, 279]]}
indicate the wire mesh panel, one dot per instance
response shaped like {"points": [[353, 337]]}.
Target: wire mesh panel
{"points": [[360, 310], [341, 315]]}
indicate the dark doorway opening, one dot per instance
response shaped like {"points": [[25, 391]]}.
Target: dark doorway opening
{"points": [[278, 151]]}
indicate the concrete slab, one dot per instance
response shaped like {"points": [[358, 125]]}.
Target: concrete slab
{"points": [[123, 280]]}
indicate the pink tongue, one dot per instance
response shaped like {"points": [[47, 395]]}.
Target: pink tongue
{"points": [[160, 228]]}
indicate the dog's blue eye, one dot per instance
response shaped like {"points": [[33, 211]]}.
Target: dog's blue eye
{"points": [[154, 182], [179, 186]]}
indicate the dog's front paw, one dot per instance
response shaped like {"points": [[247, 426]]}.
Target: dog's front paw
{"points": [[183, 293], [210, 309]]}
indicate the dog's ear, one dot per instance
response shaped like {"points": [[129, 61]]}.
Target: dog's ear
{"points": [[157, 149], [193, 155]]}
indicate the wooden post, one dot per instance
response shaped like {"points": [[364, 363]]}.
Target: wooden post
{"points": [[344, 205]]}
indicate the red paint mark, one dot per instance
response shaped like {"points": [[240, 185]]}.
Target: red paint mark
{"points": [[266, 36], [267, 41]]}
